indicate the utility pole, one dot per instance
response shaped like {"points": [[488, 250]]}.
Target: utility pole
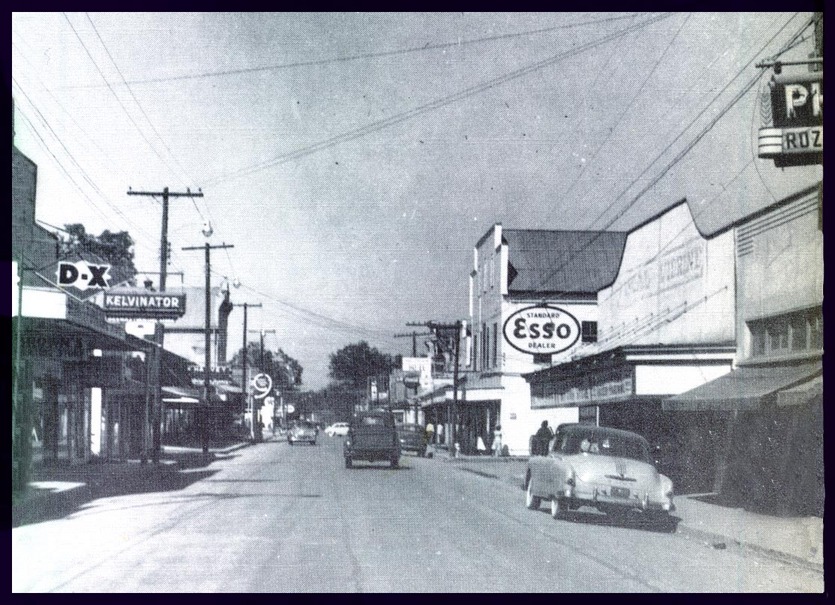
{"points": [[159, 329], [256, 421], [413, 336], [445, 332], [244, 380], [208, 358]]}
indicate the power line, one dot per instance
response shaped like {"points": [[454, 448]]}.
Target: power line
{"points": [[373, 55], [680, 155], [431, 106], [110, 87]]}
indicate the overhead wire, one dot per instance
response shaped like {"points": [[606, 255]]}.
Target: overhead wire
{"points": [[373, 55], [430, 106], [678, 156]]}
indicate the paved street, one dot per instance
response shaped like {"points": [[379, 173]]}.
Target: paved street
{"points": [[275, 518]]}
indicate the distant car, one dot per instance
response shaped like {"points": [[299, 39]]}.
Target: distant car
{"points": [[608, 469], [412, 438], [372, 436], [302, 431], [337, 428]]}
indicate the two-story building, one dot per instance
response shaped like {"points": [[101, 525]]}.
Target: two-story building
{"points": [[533, 303]]}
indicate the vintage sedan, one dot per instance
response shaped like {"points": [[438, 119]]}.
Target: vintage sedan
{"points": [[412, 438], [608, 469], [302, 431], [337, 428]]}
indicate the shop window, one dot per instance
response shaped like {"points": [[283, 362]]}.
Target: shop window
{"points": [[589, 331], [789, 333]]}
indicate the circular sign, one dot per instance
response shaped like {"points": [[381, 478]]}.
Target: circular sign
{"points": [[541, 330], [262, 383], [290, 408]]}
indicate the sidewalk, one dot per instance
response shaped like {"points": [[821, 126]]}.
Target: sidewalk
{"points": [[794, 539], [59, 488]]}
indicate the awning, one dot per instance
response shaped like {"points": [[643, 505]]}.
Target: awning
{"points": [[229, 389], [802, 393], [173, 392], [742, 389]]}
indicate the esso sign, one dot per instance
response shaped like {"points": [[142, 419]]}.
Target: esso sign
{"points": [[541, 330]]}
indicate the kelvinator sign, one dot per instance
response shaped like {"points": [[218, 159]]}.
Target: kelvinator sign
{"points": [[145, 305], [796, 135], [541, 330]]}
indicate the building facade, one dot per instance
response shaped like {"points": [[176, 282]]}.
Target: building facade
{"points": [[533, 302], [665, 325], [771, 405]]}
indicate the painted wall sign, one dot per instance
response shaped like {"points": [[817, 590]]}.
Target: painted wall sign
{"points": [[83, 275], [792, 132], [145, 305], [541, 330]]}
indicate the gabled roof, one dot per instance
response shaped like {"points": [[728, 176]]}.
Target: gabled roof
{"points": [[562, 261]]}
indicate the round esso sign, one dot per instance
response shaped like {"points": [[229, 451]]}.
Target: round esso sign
{"points": [[541, 330]]}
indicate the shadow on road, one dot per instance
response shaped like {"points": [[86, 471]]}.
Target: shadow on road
{"points": [[635, 520], [60, 489]]}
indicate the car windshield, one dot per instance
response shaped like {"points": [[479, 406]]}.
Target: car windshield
{"points": [[374, 420], [602, 444]]}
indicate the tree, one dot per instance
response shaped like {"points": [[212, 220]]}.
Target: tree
{"points": [[113, 248], [285, 371], [354, 363]]}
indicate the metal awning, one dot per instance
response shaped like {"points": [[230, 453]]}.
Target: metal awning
{"points": [[173, 392], [229, 388], [802, 393], [743, 389]]}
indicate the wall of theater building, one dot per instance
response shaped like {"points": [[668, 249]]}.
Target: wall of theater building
{"points": [[779, 270], [674, 286]]}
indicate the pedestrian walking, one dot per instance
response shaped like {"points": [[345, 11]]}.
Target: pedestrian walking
{"points": [[430, 432], [440, 433], [496, 446], [480, 447]]}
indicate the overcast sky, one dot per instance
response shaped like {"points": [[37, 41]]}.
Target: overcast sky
{"points": [[353, 160]]}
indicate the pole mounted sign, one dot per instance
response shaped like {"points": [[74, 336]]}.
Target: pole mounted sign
{"points": [[794, 136], [262, 383]]}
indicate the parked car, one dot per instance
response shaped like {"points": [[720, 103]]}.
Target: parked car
{"points": [[412, 438], [302, 431], [372, 436], [608, 469], [337, 428]]}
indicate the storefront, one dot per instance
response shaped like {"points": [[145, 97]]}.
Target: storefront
{"points": [[771, 404]]}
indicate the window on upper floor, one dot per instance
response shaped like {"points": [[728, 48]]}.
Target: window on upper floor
{"points": [[589, 331], [794, 332]]}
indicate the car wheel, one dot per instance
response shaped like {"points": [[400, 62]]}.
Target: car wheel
{"points": [[348, 463], [557, 508], [531, 501]]}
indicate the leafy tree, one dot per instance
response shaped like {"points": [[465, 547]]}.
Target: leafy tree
{"points": [[113, 248], [285, 371], [354, 363]]}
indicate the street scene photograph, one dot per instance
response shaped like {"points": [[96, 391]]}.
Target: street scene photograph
{"points": [[420, 302]]}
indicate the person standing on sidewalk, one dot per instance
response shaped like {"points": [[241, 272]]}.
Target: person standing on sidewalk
{"points": [[542, 438], [496, 446]]}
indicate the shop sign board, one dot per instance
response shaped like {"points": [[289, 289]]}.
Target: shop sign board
{"points": [[83, 275], [145, 305], [262, 383], [793, 135], [541, 330]]}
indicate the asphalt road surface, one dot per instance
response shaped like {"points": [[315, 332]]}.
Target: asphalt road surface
{"points": [[275, 518]]}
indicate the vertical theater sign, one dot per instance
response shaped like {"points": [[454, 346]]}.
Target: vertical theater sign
{"points": [[794, 136]]}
